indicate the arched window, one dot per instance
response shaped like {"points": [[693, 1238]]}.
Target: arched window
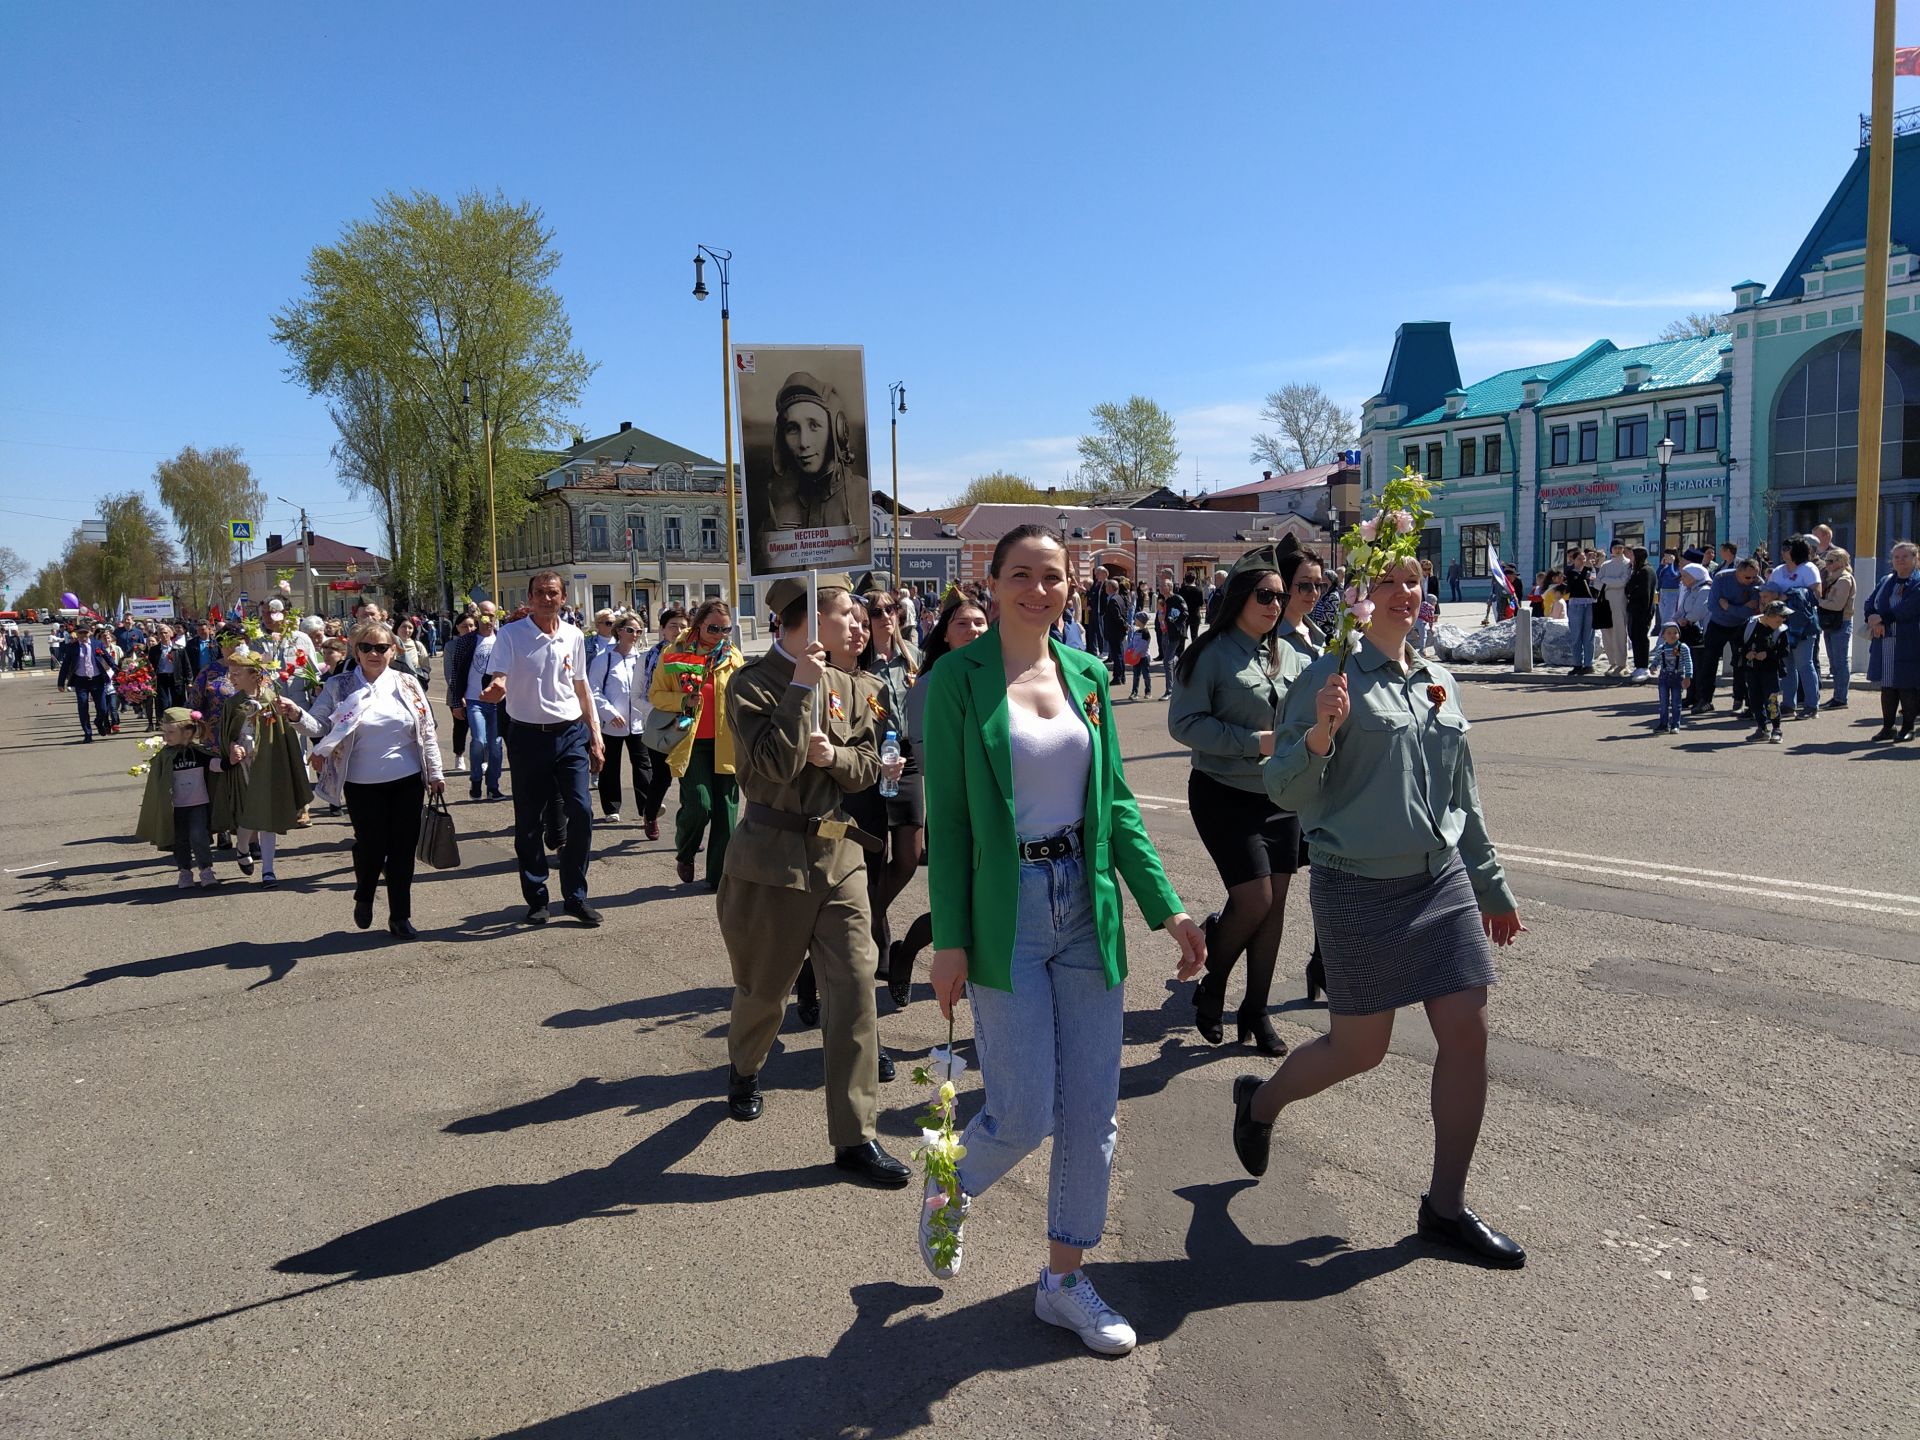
{"points": [[1816, 416]]}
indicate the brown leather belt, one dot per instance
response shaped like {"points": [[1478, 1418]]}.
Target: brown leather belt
{"points": [[826, 828]]}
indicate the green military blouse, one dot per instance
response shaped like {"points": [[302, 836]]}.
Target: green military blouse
{"points": [[1396, 795], [1219, 710]]}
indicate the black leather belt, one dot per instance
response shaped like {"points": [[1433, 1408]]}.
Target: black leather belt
{"points": [[546, 727], [1054, 847], [825, 827]]}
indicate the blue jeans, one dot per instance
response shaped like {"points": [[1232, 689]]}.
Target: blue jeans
{"points": [[1840, 659], [550, 764], [484, 747], [1580, 631], [1672, 687], [1050, 1055], [1799, 685]]}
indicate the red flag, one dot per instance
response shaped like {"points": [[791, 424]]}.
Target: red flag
{"points": [[1906, 60]]}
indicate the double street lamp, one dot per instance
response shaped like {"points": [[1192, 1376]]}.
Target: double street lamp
{"points": [[896, 407], [724, 259], [486, 430]]}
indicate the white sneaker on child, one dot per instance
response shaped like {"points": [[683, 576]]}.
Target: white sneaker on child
{"points": [[1073, 1304]]}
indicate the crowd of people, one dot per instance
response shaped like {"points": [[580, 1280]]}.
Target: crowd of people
{"points": [[884, 731]]}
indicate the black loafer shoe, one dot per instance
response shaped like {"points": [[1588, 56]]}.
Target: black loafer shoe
{"points": [[537, 914], [874, 1165], [1467, 1231], [1251, 1140], [402, 930], [808, 1011], [362, 914], [743, 1095], [585, 914], [887, 1070]]}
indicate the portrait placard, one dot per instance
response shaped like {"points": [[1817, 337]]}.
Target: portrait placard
{"points": [[803, 450]]}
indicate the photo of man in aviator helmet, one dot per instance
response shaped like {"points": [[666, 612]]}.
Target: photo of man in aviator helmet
{"points": [[808, 504]]}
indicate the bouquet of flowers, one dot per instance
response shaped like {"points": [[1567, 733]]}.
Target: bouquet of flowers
{"points": [[941, 1151], [150, 746], [1374, 546], [135, 683]]}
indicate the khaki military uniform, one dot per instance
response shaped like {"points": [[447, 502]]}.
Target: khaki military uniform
{"points": [[784, 893]]}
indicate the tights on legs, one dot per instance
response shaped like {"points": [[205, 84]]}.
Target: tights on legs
{"points": [[1252, 922], [266, 840]]}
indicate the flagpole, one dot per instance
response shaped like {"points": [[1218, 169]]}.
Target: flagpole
{"points": [[1873, 313]]}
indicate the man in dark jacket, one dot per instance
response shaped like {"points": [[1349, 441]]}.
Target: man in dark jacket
{"points": [[86, 665]]}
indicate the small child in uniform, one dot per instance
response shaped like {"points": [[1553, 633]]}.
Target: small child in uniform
{"points": [[1764, 650], [176, 809], [1138, 656], [1672, 662]]}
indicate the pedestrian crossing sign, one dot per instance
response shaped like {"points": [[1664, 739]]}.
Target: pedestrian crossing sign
{"points": [[240, 529]]}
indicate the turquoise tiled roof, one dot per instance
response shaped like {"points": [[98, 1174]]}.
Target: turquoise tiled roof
{"points": [[1496, 395], [1673, 363]]}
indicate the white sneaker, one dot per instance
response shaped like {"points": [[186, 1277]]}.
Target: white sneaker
{"points": [[1075, 1305], [1640, 675], [460, 765], [613, 817], [927, 1211]]}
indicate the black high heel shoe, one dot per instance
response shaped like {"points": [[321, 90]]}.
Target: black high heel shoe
{"points": [[1257, 1030], [1316, 977], [1209, 1004]]}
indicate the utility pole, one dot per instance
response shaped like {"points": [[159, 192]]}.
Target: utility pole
{"points": [[1873, 313]]}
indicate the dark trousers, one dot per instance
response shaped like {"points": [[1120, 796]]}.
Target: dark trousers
{"points": [[659, 778], [90, 695], [1763, 695], [192, 840], [1117, 657], [549, 766], [1906, 702], [386, 828], [167, 693], [1638, 624], [1707, 671], [643, 762]]}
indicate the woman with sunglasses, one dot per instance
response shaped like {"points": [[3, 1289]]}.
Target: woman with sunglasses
{"points": [[616, 676], [377, 753], [690, 681], [1232, 683]]}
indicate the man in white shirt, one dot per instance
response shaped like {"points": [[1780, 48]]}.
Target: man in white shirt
{"points": [[1613, 585], [539, 668]]}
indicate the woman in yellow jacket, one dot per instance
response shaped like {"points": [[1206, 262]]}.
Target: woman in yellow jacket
{"points": [[690, 691]]}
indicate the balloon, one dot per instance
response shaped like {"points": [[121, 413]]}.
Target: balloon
{"points": [[69, 600]]}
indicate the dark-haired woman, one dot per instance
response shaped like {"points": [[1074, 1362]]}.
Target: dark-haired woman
{"points": [[1642, 601], [961, 621], [1232, 684], [1031, 829]]}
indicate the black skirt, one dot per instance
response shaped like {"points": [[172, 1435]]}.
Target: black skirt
{"points": [[1248, 836]]}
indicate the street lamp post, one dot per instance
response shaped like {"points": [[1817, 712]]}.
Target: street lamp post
{"points": [[486, 431], [1665, 451], [896, 407], [724, 259]]}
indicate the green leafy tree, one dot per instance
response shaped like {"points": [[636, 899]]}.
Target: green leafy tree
{"points": [[443, 304], [136, 555], [204, 490], [1000, 487], [1131, 447], [1311, 428]]}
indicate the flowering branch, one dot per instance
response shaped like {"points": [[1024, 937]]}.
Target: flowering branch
{"points": [[942, 1151], [1373, 547]]}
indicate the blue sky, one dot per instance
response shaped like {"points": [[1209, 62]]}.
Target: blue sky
{"points": [[1021, 210]]}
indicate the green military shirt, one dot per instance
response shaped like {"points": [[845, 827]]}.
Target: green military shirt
{"points": [[1218, 711], [771, 722], [1396, 795]]}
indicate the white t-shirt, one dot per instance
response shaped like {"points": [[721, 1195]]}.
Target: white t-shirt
{"points": [[540, 670], [1050, 763], [482, 665], [386, 745], [1795, 576]]}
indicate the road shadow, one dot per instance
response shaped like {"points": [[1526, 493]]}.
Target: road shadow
{"points": [[672, 1009], [456, 1225], [888, 1369]]}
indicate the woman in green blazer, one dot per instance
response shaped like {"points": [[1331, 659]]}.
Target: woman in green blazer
{"points": [[1028, 820]]}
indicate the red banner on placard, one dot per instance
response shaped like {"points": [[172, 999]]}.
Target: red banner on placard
{"points": [[345, 585]]}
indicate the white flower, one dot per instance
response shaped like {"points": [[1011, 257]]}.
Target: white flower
{"points": [[945, 1065]]}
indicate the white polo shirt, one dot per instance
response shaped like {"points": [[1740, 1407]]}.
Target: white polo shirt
{"points": [[540, 670]]}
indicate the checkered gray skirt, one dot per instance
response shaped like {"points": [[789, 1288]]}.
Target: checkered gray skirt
{"points": [[1388, 943]]}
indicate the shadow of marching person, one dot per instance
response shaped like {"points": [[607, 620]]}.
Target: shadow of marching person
{"points": [[884, 1374]]}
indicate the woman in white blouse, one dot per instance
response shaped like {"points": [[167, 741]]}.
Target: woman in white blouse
{"points": [[377, 754], [617, 677]]}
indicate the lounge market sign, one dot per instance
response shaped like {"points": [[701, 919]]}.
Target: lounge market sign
{"points": [[1605, 492]]}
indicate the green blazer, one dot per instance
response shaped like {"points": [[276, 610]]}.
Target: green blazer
{"points": [[972, 864]]}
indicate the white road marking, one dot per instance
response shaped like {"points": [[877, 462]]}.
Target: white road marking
{"points": [[1160, 801], [24, 868], [1753, 888], [1714, 874]]}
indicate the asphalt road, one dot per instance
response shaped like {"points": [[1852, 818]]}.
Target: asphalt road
{"points": [[266, 1175]]}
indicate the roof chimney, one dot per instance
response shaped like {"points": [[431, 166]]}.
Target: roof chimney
{"points": [[1266, 474], [274, 542], [625, 425]]}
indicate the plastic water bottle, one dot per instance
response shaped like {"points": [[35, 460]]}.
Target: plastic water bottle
{"points": [[889, 753]]}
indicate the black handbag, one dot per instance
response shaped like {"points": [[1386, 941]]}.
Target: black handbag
{"points": [[1603, 614], [1831, 619], [438, 847]]}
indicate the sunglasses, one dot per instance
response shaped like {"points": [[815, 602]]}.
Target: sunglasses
{"points": [[629, 629], [1309, 587], [1264, 596], [711, 629], [368, 647]]}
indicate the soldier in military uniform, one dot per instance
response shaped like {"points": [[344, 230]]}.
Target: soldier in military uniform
{"points": [[795, 877]]}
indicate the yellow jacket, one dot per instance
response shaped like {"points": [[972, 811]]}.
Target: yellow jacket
{"points": [[666, 694]]}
